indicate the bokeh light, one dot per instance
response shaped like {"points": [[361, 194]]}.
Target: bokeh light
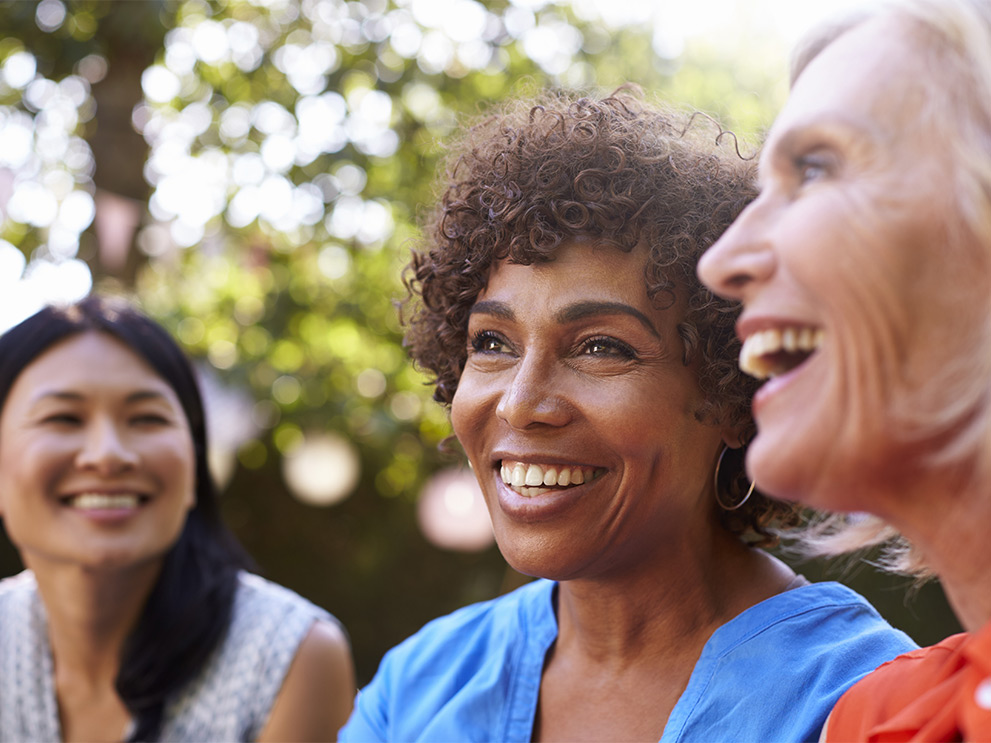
{"points": [[322, 469], [451, 512]]}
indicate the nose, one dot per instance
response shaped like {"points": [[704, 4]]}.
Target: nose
{"points": [[534, 396], [743, 258], [104, 450]]}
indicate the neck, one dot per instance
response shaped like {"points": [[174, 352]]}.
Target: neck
{"points": [[90, 615], [947, 524], [668, 608]]}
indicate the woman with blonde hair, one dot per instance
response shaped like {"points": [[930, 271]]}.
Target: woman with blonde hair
{"points": [[872, 237]]}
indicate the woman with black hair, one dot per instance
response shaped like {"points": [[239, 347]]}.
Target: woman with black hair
{"points": [[135, 618]]}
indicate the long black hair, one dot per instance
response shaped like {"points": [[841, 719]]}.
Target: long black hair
{"points": [[189, 607]]}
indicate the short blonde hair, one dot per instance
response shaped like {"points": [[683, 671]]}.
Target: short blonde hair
{"points": [[955, 43]]}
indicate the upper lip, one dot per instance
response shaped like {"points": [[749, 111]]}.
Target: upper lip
{"points": [[568, 461]]}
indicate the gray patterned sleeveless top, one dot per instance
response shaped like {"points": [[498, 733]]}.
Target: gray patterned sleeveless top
{"points": [[228, 701]]}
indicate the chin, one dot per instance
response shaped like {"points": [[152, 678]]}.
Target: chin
{"points": [[532, 558], [783, 470], [824, 480]]}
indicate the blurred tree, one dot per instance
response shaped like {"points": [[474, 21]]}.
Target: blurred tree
{"points": [[252, 172]]}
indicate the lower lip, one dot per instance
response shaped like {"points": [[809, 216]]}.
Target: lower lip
{"points": [[536, 508], [105, 515]]}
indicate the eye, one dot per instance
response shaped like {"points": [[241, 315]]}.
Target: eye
{"points": [[812, 168], [68, 419], [149, 419], [486, 341], [607, 346]]}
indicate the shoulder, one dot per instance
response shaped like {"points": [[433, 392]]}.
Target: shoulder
{"points": [[830, 634], [323, 660], [820, 615], [473, 629], [316, 696], [907, 690], [267, 612], [787, 659], [234, 694], [461, 675], [271, 623], [20, 601], [255, 593], [917, 669], [22, 584]]}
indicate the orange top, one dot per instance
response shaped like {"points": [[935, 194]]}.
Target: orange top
{"points": [[939, 693]]}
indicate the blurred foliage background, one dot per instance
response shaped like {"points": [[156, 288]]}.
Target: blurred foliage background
{"points": [[250, 171]]}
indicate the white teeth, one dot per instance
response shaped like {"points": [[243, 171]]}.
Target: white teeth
{"points": [[518, 477], [534, 475], [789, 339], [764, 343], [535, 478], [98, 501]]}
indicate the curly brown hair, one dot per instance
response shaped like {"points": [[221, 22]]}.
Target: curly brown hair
{"points": [[537, 174]]}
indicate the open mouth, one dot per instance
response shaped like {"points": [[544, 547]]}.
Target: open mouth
{"points": [[533, 479], [104, 501], [770, 353]]}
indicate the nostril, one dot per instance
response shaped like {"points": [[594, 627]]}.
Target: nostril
{"points": [[737, 281]]}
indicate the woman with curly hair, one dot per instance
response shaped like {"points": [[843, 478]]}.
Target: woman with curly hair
{"points": [[592, 383]]}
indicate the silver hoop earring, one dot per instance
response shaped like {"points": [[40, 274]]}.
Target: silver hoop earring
{"points": [[715, 482]]}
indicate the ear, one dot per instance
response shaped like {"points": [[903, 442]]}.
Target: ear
{"points": [[733, 436]]}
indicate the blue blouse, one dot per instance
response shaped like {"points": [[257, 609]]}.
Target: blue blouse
{"points": [[770, 674]]}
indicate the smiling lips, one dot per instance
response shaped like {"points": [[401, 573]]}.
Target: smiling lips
{"points": [[533, 479], [769, 353]]}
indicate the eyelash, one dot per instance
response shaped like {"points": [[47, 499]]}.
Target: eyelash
{"points": [[479, 340], [616, 347], [62, 418], [150, 418]]}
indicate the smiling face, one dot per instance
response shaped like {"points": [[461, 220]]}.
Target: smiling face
{"points": [[577, 414], [858, 292], [96, 457]]}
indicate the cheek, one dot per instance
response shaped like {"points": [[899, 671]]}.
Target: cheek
{"points": [[174, 462], [468, 409], [31, 464]]}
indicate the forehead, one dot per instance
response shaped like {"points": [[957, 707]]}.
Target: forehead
{"points": [[89, 363], [579, 270], [581, 273], [870, 80]]}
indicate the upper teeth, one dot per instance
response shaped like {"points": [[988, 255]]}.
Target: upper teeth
{"points": [[95, 501], [526, 476], [766, 342]]}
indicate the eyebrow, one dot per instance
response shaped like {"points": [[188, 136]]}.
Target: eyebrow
{"points": [[491, 307], [571, 313], [70, 396], [828, 125]]}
